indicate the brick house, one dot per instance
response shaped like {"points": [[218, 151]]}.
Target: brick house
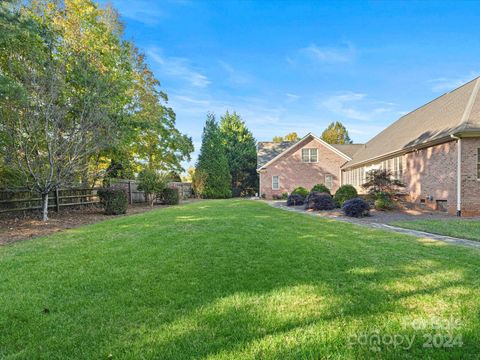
{"points": [[434, 150]]}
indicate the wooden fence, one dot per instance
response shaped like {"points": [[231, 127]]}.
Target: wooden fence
{"points": [[24, 200], [137, 196]]}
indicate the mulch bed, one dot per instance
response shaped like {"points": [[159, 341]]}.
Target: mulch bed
{"points": [[20, 227], [379, 217]]}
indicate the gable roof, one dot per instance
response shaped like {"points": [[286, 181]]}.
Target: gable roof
{"points": [[268, 152], [348, 149], [453, 113]]}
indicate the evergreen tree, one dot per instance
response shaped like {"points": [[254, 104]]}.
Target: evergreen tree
{"points": [[212, 162], [336, 133], [241, 152]]}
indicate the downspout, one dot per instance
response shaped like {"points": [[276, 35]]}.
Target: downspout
{"points": [[463, 121], [260, 184], [341, 176], [459, 175]]}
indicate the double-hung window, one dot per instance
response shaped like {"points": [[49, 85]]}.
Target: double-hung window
{"points": [[275, 182], [309, 155]]}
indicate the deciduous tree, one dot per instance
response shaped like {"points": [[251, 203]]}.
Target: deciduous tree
{"points": [[336, 133], [293, 136], [74, 96]]}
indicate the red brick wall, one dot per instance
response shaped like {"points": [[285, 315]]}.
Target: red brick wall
{"points": [[470, 183], [293, 172], [433, 172], [427, 172]]}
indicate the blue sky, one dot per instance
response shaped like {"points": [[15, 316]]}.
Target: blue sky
{"points": [[298, 65]]}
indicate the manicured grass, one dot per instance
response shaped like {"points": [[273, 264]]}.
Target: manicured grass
{"points": [[460, 228], [234, 279]]}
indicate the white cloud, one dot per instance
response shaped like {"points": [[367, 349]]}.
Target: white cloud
{"points": [[292, 97], [356, 106], [179, 68], [146, 12], [339, 54], [235, 76], [253, 110], [445, 84]]}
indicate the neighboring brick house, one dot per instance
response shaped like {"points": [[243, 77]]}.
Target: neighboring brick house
{"points": [[310, 161], [434, 150]]}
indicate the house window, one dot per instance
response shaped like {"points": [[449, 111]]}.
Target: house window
{"points": [[275, 183], [309, 155], [478, 163], [329, 181]]}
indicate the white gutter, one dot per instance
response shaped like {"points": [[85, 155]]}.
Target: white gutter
{"points": [[459, 175], [259, 184]]}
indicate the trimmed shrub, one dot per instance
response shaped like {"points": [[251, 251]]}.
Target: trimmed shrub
{"points": [[170, 196], [344, 193], [284, 196], [277, 197], [321, 189], [384, 203], [114, 201], [356, 208], [295, 199], [319, 201], [152, 183], [300, 191]]}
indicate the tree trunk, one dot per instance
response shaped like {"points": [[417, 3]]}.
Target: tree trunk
{"points": [[45, 207]]}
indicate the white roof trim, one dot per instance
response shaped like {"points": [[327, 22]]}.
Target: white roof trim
{"points": [[471, 101], [327, 145]]}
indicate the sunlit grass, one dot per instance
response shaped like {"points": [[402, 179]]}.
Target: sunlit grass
{"points": [[459, 228], [231, 279]]}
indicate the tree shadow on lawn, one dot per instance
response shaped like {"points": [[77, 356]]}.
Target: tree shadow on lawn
{"points": [[230, 283], [257, 301]]}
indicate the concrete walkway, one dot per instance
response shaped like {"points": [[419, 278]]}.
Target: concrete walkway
{"points": [[376, 225]]}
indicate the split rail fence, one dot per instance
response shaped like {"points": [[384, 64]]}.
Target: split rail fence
{"points": [[18, 200]]}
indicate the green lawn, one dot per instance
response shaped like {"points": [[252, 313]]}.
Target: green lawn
{"points": [[460, 228], [235, 279]]}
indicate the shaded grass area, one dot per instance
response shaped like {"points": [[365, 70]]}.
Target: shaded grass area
{"points": [[459, 228], [233, 279]]}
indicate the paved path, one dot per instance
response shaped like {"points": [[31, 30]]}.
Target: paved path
{"points": [[376, 225]]}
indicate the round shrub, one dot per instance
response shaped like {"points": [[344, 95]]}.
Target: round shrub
{"points": [[284, 196], [356, 208], [383, 203], [295, 199], [344, 193], [170, 196], [319, 201], [321, 189], [114, 201], [300, 191]]}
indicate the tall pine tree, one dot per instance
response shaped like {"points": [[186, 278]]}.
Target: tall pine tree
{"points": [[212, 162], [241, 152]]}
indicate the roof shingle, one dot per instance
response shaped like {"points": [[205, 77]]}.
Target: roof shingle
{"points": [[451, 113], [267, 150]]}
